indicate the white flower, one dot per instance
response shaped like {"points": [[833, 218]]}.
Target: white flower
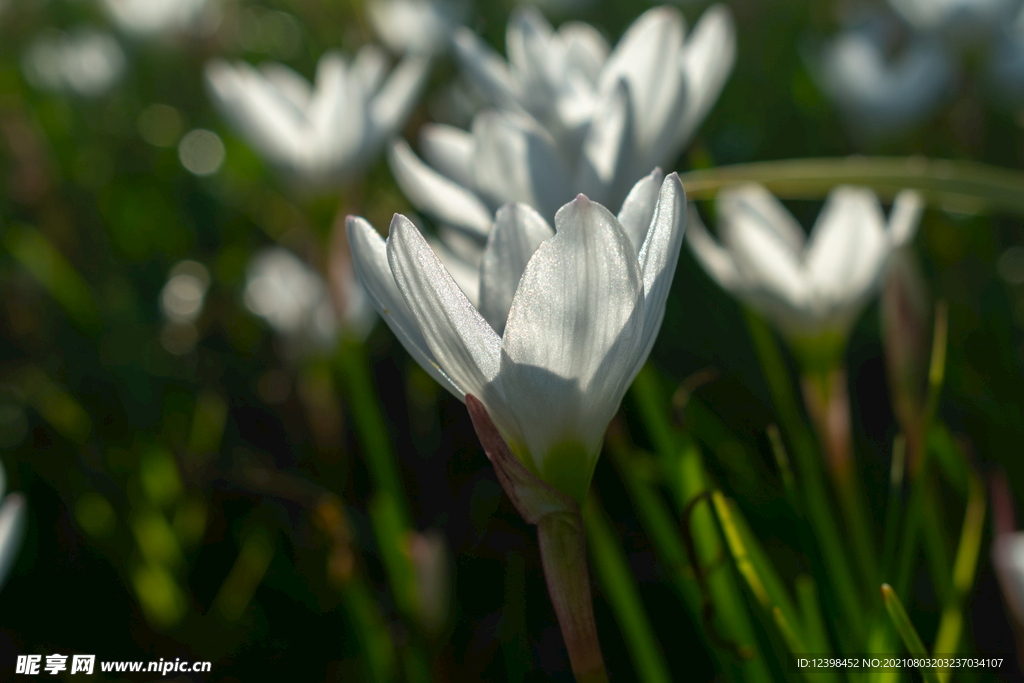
{"points": [[880, 96], [565, 321], [144, 18], [956, 16], [324, 133], [12, 527], [813, 288], [295, 300], [574, 119], [415, 25], [85, 62]]}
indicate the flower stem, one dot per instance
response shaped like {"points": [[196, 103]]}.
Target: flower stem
{"points": [[564, 554], [812, 481], [828, 404], [562, 545], [620, 588]]}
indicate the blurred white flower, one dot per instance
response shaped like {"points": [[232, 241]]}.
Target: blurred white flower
{"points": [[878, 96], [143, 18], [963, 17], [12, 526], [84, 62], [811, 288], [325, 133], [611, 117], [423, 26], [566, 317], [295, 300]]}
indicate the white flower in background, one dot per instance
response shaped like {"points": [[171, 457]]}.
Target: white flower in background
{"points": [[143, 18], [879, 96], [565, 321], [609, 118], [12, 526], [84, 62], [326, 132], [956, 16], [812, 288], [423, 26], [295, 301]]}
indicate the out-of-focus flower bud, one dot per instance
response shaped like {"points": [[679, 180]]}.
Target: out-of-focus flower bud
{"points": [[906, 315]]}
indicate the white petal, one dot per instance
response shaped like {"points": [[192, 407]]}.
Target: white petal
{"points": [[571, 338], [516, 162], [647, 59], [518, 231], [527, 40], [586, 50], [638, 208], [716, 261], [847, 248], [465, 274], [397, 97], [450, 151], [606, 147], [486, 69], [763, 256], [262, 114], [337, 116], [753, 202], [294, 87], [370, 259], [460, 339], [905, 216], [706, 60], [434, 194], [658, 258], [369, 67], [12, 529]]}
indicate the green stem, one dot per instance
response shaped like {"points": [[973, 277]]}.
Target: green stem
{"points": [[828, 404], [711, 593], [617, 582], [912, 641], [564, 555], [815, 490], [964, 186]]}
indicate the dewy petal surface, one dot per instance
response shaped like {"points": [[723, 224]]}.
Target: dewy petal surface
{"points": [[638, 208], [518, 232], [432, 193], [658, 258], [370, 260], [572, 334], [458, 336]]}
